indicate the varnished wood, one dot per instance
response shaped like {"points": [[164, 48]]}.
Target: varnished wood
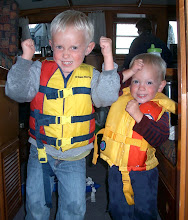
{"points": [[171, 72], [10, 181], [45, 15], [3, 73], [182, 203], [166, 187], [9, 127], [167, 172], [166, 202]]}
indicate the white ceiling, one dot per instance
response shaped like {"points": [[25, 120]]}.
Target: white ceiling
{"points": [[32, 4]]}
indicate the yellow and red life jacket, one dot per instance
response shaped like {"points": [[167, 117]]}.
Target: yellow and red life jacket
{"points": [[62, 114], [125, 148]]}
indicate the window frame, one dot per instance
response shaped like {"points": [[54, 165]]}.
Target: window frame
{"points": [[121, 21]]}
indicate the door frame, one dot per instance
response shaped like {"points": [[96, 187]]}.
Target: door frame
{"points": [[182, 152]]}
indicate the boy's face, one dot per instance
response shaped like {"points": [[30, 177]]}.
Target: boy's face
{"points": [[146, 83], [69, 48]]}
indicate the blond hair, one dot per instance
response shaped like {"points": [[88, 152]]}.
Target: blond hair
{"points": [[154, 60], [73, 18]]}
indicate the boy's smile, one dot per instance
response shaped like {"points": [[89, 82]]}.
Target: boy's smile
{"points": [[69, 49]]}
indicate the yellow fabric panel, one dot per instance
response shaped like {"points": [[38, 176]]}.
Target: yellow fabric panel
{"points": [[117, 135], [118, 132], [167, 103], [54, 106], [74, 105]]}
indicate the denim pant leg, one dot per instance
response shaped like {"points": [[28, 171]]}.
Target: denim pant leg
{"points": [[35, 199], [118, 207], [71, 177], [145, 187]]}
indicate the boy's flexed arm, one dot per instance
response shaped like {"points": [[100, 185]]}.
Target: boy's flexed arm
{"points": [[24, 77], [154, 132], [136, 66], [106, 49], [28, 48], [105, 85]]}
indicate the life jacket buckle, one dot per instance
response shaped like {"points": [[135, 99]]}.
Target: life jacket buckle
{"points": [[42, 156], [63, 120], [66, 92], [61, 142]]}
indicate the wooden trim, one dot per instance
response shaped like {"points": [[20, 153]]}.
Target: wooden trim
{"points": [[172, 72], [3, 73], [182, 203], [44, 15]]}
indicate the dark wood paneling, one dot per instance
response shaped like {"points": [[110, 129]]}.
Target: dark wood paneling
{"points": [[166, 202], [9, 127], [10, 164], [44, 15], [166, 188], [10, 181], [3, 73]]}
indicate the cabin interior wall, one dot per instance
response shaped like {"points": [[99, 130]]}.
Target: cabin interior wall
{"points": [[160, 15]]}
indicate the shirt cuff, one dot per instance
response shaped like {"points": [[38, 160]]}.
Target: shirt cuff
{"points": [[107, 71]]}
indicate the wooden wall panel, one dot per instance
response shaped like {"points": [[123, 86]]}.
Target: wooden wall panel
{"points": [[161, 13]]}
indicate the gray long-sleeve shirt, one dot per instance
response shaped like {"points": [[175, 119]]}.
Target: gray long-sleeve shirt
{"points": [[23, 82]]}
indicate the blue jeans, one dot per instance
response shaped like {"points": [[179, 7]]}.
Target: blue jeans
{"points": [[145, 186], [71, 177]]}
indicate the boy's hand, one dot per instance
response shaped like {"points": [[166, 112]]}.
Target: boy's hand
{"points": [[134, 111], [137, 65], [106, 49], [28, 48], [106, 46]]}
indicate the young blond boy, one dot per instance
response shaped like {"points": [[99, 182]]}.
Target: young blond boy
{"points": [[137, 123], [62, 93]]}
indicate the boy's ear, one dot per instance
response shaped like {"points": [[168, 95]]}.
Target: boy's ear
{"points": [[90, 48], [162, 85]]}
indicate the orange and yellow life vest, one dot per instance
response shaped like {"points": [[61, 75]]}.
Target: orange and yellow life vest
{"points": [[62, 114], [125, 148]]}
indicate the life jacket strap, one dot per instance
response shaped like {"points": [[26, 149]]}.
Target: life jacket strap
{"points": [[47, 170], [142, 143], [52, 93], [127, 187], [47, 174], [42, 156], [49, 119], [95, 153], [61, 142]]}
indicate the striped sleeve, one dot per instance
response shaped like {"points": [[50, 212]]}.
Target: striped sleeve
{"points": [[154, 132]]}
